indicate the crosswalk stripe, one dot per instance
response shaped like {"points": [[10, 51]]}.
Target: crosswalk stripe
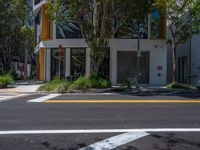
{"points": [[43, 98], [6, 98], [116, 141]]}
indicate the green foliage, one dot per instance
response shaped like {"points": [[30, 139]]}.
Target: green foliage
{"points": [[130, 82], [99, 82], [5, 80], [98, 25], [13, 16], [62, 87], [56, 85], [176, 85], [82, 83], [183, 19]]}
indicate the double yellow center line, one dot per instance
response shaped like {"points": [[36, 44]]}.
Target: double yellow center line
{"points": [[123, 101]]}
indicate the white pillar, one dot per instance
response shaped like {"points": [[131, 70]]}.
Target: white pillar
{"points": [[87, 66], [48, 65], [67, 61], [54, 30]]}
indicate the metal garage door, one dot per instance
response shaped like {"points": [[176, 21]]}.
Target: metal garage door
{"points": [[127, 66]]}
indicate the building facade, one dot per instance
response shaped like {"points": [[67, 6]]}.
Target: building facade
{"points": [[188, 62], [121, 60]]}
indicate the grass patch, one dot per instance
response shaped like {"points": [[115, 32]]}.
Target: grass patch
{"points": [[82, 83], [56, 85], [176, 85], [6, 80]]}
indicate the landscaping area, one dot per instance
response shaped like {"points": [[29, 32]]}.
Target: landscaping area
{"points": [[6, 80], [176, 85], [82, 83]]}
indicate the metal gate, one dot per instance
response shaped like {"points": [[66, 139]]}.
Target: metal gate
{"points": [[127, 66]]}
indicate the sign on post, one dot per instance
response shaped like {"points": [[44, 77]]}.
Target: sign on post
{"points": [[60, 53]]}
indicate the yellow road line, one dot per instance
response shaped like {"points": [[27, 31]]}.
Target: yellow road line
{"points": [[123, 101]]}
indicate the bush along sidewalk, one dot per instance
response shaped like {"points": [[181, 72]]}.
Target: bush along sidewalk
{"points": [[83, 83], [176, 85], [6, 80]]}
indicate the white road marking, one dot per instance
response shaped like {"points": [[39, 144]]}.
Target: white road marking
{"points": [[15, 132], [44, 98], [115, 141], [7, 98]]}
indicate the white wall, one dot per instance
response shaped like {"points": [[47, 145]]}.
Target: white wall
{"points": [[158, 57], [196, 58]]}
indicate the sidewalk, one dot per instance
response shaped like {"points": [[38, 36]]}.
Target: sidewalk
{"points": [[29, 86]]}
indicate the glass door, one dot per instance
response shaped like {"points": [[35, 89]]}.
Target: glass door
{"points": [[57, 68]]}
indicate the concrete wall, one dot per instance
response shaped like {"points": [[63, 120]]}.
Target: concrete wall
{"points": [[158, 57], [184, 50], [195, 58]]}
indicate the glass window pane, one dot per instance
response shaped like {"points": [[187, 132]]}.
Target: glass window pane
{"points": [[155, 24], [55, 64], [68, 31], [78, 61]]}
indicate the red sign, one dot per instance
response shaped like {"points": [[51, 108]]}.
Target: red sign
{"points": [[60, 52]]}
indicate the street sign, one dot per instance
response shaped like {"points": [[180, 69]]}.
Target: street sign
{"points": [[60, 53]]}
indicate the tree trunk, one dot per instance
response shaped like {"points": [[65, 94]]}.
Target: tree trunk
{"points": [[174, 60], [95, 67]]}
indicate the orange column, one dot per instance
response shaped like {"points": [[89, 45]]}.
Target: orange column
{"points": [[45, 35], [42, 63]]}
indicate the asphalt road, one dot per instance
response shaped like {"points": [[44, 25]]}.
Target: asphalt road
{"points": [[18, 114]]}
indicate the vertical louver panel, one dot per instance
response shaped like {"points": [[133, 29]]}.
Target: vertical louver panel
{"points": [[127, 66]]}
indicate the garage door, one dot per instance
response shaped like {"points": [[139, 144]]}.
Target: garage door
{"points": [[127, 66]]}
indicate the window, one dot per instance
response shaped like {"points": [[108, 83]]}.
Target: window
{"points": [[38, 29], [158, 25], [128, 31], [37, 1], [68, 31], [78, 61]]}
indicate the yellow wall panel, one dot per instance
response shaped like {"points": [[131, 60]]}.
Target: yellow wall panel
{"points": [[42, 64], [45, 35]]}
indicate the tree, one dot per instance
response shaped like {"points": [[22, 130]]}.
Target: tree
{"points": [[99, 20], [95, 20], [183, 17], [14, 14]]}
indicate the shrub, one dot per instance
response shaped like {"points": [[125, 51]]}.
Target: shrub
{"points": [[176, 85], [82, 83], [46, 87], [56, 85], [130, 82], [99, 82], [62, 87], [5, 80]]}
